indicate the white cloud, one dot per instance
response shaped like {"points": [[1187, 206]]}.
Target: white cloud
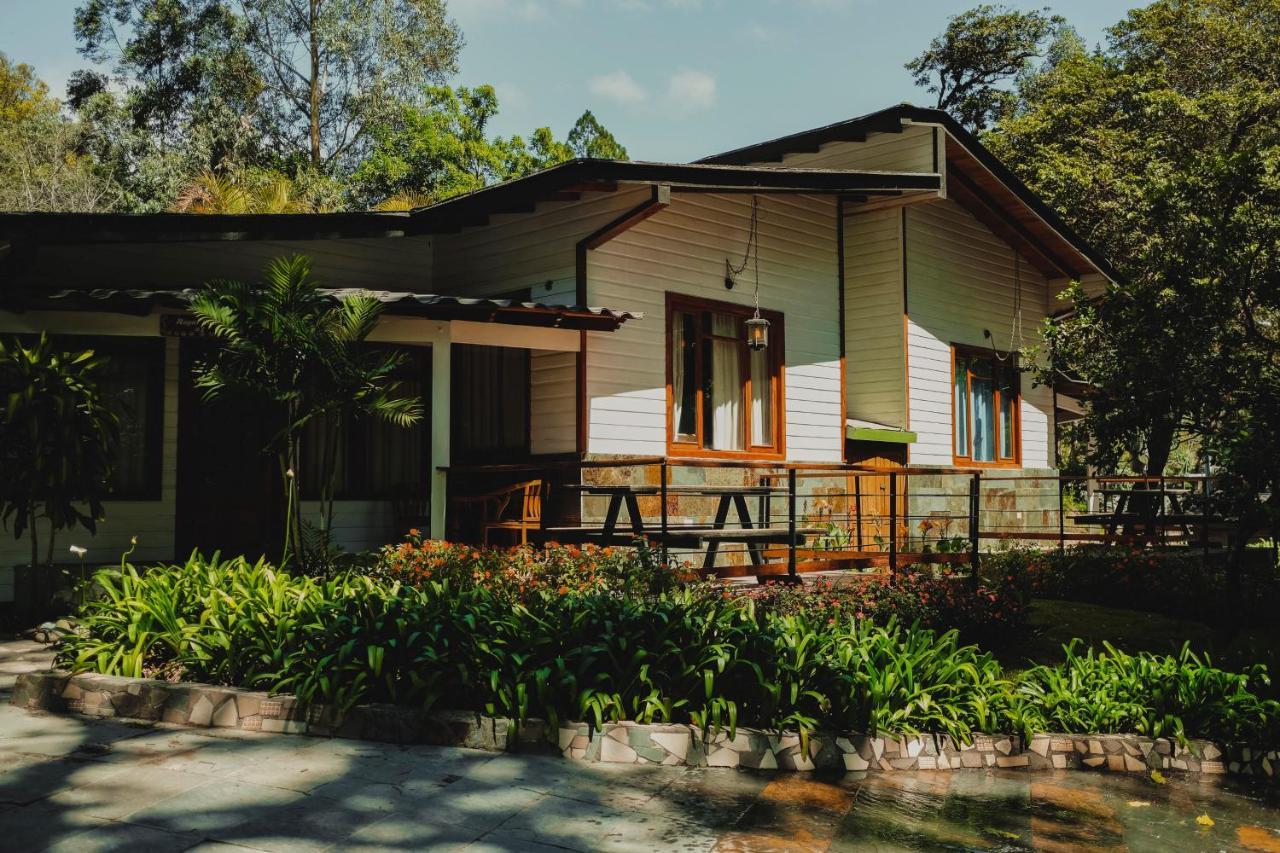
{"points": [[618, 86], [689, 91]]}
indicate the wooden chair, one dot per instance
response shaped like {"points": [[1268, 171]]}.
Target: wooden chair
{"points": [[516, 508]]}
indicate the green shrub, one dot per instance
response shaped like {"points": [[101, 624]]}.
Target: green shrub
{"points": [[697, 654], [1176, 696], [1178, 583]]}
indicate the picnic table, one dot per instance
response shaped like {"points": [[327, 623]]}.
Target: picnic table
{"points": [[729, 499]]}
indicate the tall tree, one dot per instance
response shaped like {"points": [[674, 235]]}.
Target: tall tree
{"points": [[43, 165], [982, 51], [310, 77], [1162, 149], [444, 148]]}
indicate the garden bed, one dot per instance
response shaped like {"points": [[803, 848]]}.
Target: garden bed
{"points": [[207, 706]]}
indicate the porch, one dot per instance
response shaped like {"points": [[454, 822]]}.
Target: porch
{"points": [[741, 519]]}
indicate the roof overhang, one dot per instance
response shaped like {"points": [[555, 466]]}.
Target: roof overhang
{"points": [[565, 181], [975, 179], [403, 304]]}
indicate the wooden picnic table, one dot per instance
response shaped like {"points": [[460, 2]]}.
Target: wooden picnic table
{"points": [[730, 498]]}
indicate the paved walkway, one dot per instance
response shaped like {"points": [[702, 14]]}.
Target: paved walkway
{"points": [[82, 785]]}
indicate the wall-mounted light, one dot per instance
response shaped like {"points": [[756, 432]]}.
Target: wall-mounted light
{"points": [[757, 332]]}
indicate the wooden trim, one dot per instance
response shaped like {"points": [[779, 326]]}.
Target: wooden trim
{"points": [[965, 461], [840, 297], [580, 389], [906, 334], [777, 355]]}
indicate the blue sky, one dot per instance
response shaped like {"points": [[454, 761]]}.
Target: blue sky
{"points": [[673, 79]]}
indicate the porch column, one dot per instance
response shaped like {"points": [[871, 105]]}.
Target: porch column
{"points": [[441, 421]]}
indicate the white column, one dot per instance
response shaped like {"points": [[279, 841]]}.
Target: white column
{"points": [[441, 344]]}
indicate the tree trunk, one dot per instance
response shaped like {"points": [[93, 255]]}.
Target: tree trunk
{"points": [[1159, 448], [35, 541], [313, 104]]}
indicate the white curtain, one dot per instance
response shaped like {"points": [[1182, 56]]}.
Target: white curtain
{"points": [[761, 399], [984, 440], [726, 386]]}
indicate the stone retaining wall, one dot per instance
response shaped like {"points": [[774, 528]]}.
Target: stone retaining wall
{"points": [[202, 705]]}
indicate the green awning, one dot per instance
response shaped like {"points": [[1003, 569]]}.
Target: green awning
{"points": [[889, 436]]}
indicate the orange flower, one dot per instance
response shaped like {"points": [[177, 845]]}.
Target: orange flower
{"points": [[564, 590], [413, 531]]}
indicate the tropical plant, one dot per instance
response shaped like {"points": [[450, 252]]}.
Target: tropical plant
{"points": [[57, 440], [300, 350]]}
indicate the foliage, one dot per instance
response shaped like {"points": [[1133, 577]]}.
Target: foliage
{"points": [[247, 191], [57, 439], [1161, 148], [1174, 696], [980, 49], [443, 148], [1183, 583], [516, 574], [309, 78], [696, 655], [302, 352], [42, 167]]}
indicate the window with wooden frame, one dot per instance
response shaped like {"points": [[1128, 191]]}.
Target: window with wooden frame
{"points": [[985, 405], [723, 398]]}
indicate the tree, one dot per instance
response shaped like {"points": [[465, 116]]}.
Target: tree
{"points": [[42, 163], [1161, 149], [252, 191], [57, 439], [444, 148], [301, 353], [981, 49], [311, 76]]}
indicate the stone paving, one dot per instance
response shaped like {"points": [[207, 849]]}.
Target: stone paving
{"points": [[80, 784]]}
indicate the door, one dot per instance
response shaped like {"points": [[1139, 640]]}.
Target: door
{"points": [[229, 491]]}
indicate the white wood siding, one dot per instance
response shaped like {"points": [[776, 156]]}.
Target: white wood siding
{"points": [[532, 250], [358, 525], [151, 521], [960, 281], [875, 366], [683, 250], [909, 151], [553, 402]]}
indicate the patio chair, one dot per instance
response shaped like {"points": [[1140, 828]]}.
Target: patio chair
{"points": [[516, 508]]}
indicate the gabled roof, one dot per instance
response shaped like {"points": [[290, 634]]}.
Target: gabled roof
{"points": [[975, 178], [563, 181]]}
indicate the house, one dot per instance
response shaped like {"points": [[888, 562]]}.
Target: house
{"points": [[595, 310]]}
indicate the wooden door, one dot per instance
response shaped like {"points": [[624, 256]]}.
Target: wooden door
{"points": [[872, 491]]}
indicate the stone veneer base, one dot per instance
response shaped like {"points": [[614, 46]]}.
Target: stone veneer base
{"points": [[201, 705]]}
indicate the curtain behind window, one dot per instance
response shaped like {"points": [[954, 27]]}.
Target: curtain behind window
{"points": [[726, 386], [490, 402]]}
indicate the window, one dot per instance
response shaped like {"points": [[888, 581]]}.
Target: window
{"points": [[985, 396], [132, 381], [723, 396], [376, 459]]}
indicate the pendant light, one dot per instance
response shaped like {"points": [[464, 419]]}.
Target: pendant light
{"points": [[757, 327]]}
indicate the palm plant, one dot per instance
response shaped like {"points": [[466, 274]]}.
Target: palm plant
{"points": [[57, 440], [295, 347]]}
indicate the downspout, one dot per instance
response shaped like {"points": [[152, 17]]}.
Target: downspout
{"points": [[659, 198]]}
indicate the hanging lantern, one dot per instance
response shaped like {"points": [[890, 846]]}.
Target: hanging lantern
{"points": [[757, 332]]}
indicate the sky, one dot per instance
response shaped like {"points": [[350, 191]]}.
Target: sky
{"points": [[672, 79]]}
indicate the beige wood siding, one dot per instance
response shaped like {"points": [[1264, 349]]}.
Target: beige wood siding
{"points": [[909, 151], [402, 263], [961, 281], [553, 402], [875, 368], [683, 250], [532, 250]]}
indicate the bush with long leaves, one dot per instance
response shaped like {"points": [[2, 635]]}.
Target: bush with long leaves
{"points": [[695, 654]]}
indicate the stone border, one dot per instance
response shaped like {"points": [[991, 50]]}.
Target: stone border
{"points": [[201, 705]]}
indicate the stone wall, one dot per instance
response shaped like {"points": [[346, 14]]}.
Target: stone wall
{"points": [[205, 706]]}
